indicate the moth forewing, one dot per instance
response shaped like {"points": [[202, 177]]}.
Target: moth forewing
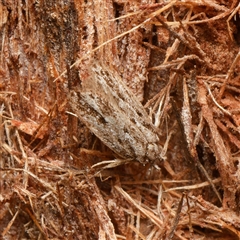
{"points": [[114, 115]]}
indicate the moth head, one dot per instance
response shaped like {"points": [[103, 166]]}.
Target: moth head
{"points": [[153, 151]]}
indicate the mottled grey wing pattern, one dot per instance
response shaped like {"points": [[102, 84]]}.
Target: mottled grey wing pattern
{"points": [[115, 116]]}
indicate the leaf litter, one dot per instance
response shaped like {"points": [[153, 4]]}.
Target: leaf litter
{"points": [[181, 61]]}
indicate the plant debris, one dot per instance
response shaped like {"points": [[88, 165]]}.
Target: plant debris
{"points": [[180, 60]]}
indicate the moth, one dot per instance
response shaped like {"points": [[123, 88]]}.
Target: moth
{"points": [[110, 110]]}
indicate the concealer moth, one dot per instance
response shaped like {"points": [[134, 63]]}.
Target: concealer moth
{"points": [[111, 111]]}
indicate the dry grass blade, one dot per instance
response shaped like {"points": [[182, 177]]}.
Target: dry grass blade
{"points": [[144, 211], [229, 74], [175, 62], [44, 183], [10, 224], [195, 186], [187, 132], [111, 163], [101, 211], [176, 219], [224, 160], [232, 138], [150, 215], [139, 235], [32, 216], [215, 101], [11, 151], [234, 12]]}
